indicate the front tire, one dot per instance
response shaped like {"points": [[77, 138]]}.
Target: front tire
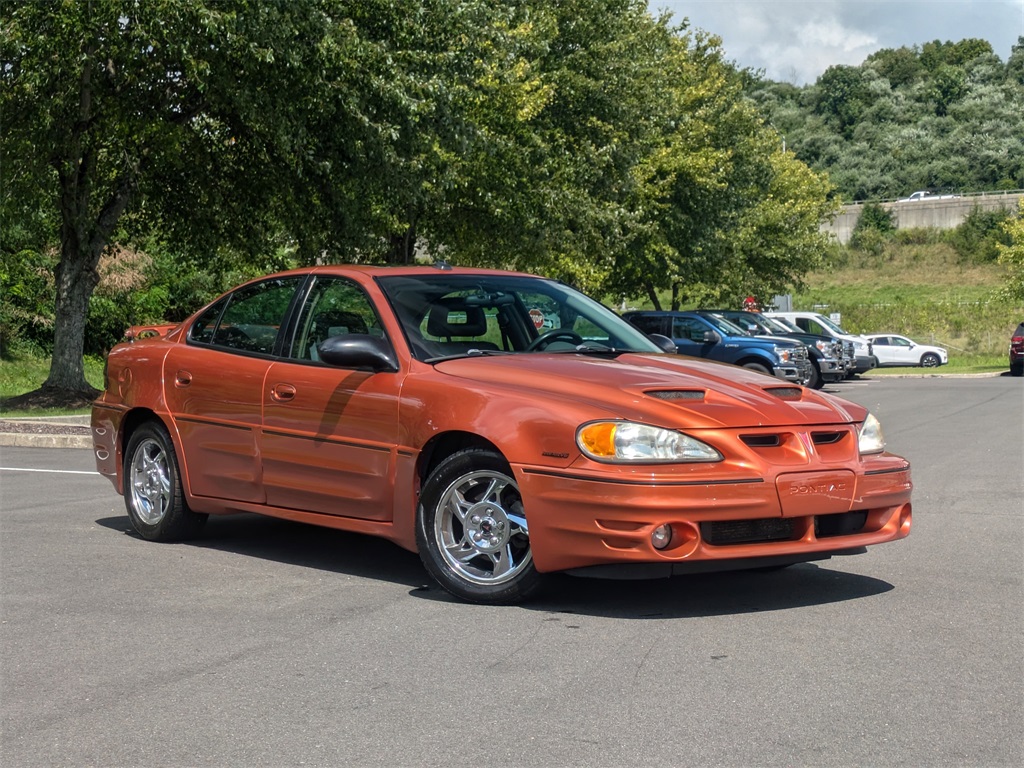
{"points": [[930, 360], [815, 382], [759, 367], [152, 487], [472, 532]]}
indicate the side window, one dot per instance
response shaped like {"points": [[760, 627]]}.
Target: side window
{"points": [[249, 319], [202, 329], [648, 323], [687, 328], [812, 326], [334, 307]]}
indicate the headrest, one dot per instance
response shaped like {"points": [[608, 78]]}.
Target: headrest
{"points": [[335, 322], [453, 317]]}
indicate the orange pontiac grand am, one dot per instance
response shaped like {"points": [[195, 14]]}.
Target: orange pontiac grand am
{"points": [[503, 426]]}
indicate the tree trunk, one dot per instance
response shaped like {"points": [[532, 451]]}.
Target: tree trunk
{"points": [[652, 295], [676, 299], [76, 278], [403, 247]]}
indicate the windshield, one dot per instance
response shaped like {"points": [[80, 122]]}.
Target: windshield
{"points": [[778, 325], [724, 326], [446, 315]]}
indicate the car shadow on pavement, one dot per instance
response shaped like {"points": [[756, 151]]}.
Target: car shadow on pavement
{"points": [[693, 596], [709, 594], [309, 546]]}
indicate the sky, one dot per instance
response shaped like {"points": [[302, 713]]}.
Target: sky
{"points": [[796, 40]]}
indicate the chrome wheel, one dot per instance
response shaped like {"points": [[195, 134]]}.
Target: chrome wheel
{"points": [[930, 360], [471, 529], [153, 495], [150, 479], [481, 530]]}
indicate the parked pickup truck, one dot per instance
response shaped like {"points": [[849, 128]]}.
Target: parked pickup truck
{"points": [[813, 322], [707, 335], [926, 195], [826, 354]]}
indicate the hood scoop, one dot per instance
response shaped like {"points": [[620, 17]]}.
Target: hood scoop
{"points": [[687, 395], [786, 393]]}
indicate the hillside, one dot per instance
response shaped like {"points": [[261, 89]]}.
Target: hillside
{"points": [[922, 290]]}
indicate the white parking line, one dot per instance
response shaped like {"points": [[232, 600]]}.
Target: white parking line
{"points": [[57, 471]]}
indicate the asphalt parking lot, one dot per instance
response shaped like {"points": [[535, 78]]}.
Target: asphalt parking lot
{"points": [[268, 643]]}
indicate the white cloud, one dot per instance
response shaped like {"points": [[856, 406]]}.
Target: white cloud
{"points": [[796, 40]]}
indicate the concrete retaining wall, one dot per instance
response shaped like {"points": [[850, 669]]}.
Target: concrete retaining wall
{"points": [[937, 214]]}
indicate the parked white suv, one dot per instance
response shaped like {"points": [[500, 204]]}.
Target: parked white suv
{"points": [[813, 322]]}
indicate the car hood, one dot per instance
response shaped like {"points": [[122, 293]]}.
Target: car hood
{"points": [[690, 393]]}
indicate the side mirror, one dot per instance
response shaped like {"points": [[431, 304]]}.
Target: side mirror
{"points": [[711, 337], [665, 344], [358, 350]]}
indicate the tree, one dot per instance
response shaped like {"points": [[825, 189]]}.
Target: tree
{"points": [[250, 125], [1012, 256], [179, 104]]}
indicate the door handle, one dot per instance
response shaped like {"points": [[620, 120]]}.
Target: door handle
{"points": [[282, 393], [182, 379]]}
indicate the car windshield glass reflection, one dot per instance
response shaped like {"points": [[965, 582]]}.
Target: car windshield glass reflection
{"points": [[468, 315]]}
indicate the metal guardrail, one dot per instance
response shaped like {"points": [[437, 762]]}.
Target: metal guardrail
{"points": [[943, 195]]}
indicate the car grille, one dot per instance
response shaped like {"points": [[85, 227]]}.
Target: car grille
{"points": [[843, 524], [800, 353], [724, 532]]}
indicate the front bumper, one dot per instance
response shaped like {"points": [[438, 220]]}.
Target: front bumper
{"points": [[579, 519], [865, 363], [797, 373], [831, 369]]}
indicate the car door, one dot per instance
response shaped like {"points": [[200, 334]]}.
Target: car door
{"points": [[213, 386], [330, 435], [688, 333], [902, 351], [883, 350]]}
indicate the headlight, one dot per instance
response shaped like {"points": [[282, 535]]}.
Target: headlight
{"points": [[626, 441], [870, 438], [784, 353]]}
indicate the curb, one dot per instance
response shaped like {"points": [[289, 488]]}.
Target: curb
{"points": [[20, 440], [47, 440]]}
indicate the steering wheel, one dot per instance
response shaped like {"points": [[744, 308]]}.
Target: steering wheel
{"points": [[542, 341]]}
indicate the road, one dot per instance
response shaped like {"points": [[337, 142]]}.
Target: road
{"points": [[268, 643]]}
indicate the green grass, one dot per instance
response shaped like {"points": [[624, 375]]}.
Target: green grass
{"points": [[923, 291], [26, 372]]}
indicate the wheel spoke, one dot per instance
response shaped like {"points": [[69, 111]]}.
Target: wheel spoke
{"points": [[503, 562]]}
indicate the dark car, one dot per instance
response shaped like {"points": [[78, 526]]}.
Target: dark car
{"points": [[1017, 352], [826, 353]]}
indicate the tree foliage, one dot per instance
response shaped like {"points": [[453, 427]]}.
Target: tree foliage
{"points": [[944, 116], [161, 148], [1011, 255]]}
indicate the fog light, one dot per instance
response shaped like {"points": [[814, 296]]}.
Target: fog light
{"points": [[661, 536]]}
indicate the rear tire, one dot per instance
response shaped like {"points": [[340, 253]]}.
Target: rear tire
{"points": [[1017, 369], [152, 487]]}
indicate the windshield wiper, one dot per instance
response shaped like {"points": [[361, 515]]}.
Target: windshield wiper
{"points": [[468, 353]]}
